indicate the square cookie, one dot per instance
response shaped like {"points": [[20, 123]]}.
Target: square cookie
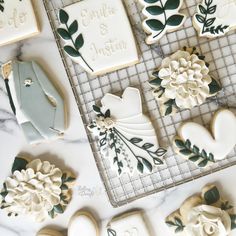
{"points": [[98, 35], [17, 21], [132, 223]]}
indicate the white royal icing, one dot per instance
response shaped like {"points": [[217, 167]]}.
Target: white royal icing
{"points": [[215, 17], [205, 220], [109, 43], [129, 122], [222, 140], [84, 224], [17, 21], [130, 224], [161, 16]]}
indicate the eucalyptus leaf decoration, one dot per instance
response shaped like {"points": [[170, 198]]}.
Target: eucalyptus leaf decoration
{"points": [[123, 148], [204, 17], [67, 34], [193, 153], [162, 15]]}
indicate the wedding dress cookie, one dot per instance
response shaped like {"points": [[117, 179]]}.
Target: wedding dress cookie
{"points": [[98, 35], [183, 82], [161, 16], [126, 136], [202, 147], [215, 18], [17, 21], [83, 223], [128, 224], [38, 106], [203, 215], [36, 189]]}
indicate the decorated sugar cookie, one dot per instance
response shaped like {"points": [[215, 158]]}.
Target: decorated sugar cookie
{"points": [[183, 82], [98, 35], [82, 223], [126, 136], [132, 223], [17, 21], [215, 18], [38, 106], [161, 16], [202, 147], [37, 189], [204, 214]]}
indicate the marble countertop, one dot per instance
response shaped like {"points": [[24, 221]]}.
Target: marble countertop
{"points": [[74, 152]]}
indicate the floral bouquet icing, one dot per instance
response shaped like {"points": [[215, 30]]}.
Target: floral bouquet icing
{"points": [[183, 82], [203, 215], [37, 189]]}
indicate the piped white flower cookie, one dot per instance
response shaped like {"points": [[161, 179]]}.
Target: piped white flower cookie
{"points": [[203, 214], [36, 189], [161, 16], [125, 135], [195, 143], [215, 18], [183, 82]]}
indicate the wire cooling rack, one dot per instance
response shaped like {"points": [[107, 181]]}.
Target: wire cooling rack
{"points": [[220, 53]]}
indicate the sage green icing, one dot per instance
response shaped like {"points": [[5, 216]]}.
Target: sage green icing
{"points": [[46, 116]]}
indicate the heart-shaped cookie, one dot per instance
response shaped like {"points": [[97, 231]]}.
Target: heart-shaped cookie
{"points": [[197, 144], [215, 17]]}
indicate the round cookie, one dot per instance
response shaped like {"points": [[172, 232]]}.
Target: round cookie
{"points": [[49, 232], [83, 223]]}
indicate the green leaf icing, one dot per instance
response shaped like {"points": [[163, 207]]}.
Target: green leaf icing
{"points": [[162, 16], [193, 153], [19, 164], [176, 223], [204, 17], [67, 34], [212, 196]]}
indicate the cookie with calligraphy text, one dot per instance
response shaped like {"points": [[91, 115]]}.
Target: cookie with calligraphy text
{"points": [[98, 35], [125, 135], [17, 21], [161, 16], [215, 18], [131, 223], [195, 143]]}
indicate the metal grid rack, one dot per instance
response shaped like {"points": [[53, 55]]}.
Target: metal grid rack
{"points": [[221, 55]]}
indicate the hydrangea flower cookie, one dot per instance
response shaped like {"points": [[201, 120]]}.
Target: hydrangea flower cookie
{"points": [[183, 82], [17, 21], [215, 18], [98, 35], [195, 143], [161, 16], [36, 189], [203, 215], [125, 135]]}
